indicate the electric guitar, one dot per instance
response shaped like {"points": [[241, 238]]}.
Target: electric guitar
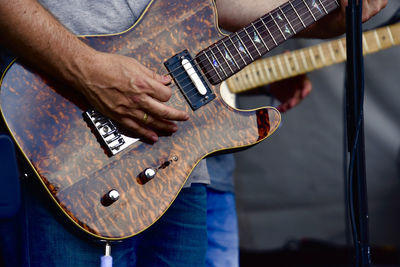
{"points": [[283, 66], [111, 184]]}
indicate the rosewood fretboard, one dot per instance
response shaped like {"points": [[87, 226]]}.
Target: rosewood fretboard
{"points": [[231, 54]]}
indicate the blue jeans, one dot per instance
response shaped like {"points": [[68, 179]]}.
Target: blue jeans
{"points": [[222, 230], [179, 238]]}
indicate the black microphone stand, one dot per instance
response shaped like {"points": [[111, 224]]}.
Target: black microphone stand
{"points": [[357, 188]]}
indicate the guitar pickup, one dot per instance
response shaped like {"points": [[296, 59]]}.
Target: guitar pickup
{"points": [[108, 134], [189, 79]]}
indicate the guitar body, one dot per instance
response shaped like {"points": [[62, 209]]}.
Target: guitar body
{"points": [[46, 122]]}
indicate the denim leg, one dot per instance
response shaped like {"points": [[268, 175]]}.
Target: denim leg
{"points": [[222, 230], [181, 233], [11, 241], [179, 238], [50, 238]]}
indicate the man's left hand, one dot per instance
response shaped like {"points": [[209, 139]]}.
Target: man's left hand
{"points": [[290, 92]]}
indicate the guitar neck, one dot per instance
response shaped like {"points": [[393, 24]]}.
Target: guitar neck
{"points": [[272, 69], [234, 52]]}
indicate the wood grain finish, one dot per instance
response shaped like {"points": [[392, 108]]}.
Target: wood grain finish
{"points": [[46, 122]]}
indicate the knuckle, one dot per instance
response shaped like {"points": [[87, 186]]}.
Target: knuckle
{"points": [[155, 76], [165, 113], [136, 99], [166, 95], [140, 83]]}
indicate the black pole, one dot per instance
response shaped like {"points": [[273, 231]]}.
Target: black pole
{"points": [[358, 208]]}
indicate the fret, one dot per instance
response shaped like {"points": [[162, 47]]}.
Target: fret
{"points": [[264, 34], [302, 22], [384, 38], [230, 54], [395, 33], [278, 60], [288, 65], [240, 79], [255, 46], [284, 37], [331, 52], [273, 39], [315, 8], [251, 75], [299, 65], [365, 43], [328, 60], [267, 69], [312, 14], [224, 65], [338, 48], [390, 35], [295, 62], [237, 50], [327, 53], [243, 45], [304, 13], [206, 66], [249, 44], [226, 59], [217, 63], [342, 48], [326, 12], [321, 53], [273, 67], [303, 57], [294, 31], [259, 36], [212, 66], [261, 70], [247, 75], [311, 53], [258, 74], [378, 41], [279, 22], [274, 28], [330, 7]]}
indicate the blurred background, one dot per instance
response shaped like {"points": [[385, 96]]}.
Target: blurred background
{"points": [[290, 188]]}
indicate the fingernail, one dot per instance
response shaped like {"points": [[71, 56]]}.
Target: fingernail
{"points": [[154, 138], [174, 128], [166, 78]]}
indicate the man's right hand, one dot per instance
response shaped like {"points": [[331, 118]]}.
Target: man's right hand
{"points": [[117, 86], [127, 92]]}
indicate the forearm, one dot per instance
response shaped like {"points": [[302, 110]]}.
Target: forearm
{"points": [[38, 39]]}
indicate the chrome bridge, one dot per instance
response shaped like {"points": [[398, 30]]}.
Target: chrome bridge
{"points": [[110, 136]]}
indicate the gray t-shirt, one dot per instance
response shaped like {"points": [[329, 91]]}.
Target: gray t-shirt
{"points": [[90, 17]]}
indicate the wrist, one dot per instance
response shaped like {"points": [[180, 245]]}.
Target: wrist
{"points": [[78, 68]]}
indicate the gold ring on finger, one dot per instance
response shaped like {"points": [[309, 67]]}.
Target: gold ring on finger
{"points": [[145, 117]]}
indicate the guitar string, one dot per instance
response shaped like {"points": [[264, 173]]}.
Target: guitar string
{"points": [[177, 97], [324, 50], [279, 39], [189, 93], [270, 20]]}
